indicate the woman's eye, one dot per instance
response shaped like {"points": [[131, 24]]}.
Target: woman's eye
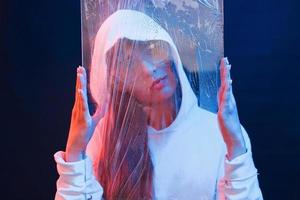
{"points": [[167, 63]]}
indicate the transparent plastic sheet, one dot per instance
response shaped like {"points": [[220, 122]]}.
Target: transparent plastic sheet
{"points": [[148, 60]]}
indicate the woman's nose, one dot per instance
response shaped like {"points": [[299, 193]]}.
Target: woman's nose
{"points": [[150, 68]]}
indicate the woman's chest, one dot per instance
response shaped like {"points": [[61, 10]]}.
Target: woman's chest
{"points": [[186, 167]]}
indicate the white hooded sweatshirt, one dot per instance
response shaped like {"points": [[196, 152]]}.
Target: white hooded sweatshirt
{"points": [[189, 156]]}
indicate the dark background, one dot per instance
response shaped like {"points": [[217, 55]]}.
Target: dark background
{"points": [[40, 50]]}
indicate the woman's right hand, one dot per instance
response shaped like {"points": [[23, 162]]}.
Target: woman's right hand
{"points": [[82, 123]]}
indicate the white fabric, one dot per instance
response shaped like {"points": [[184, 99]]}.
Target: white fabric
{"points": [[189, 156]]}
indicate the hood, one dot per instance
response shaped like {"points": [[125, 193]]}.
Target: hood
{"points": [[135, 25]]}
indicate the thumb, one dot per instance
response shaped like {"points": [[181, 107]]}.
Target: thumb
{"points": [[99, 114]]}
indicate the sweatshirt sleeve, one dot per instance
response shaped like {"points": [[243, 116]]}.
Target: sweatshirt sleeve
{"points": [[238, 177], [76, 179]]}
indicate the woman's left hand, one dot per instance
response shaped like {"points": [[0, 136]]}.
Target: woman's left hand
{"points": [[228, 118]]}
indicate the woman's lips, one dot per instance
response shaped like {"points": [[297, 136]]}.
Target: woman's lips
{"points": [[158, 83]]}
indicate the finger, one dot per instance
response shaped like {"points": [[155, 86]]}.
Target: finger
{"points": [[224, 95], [84, 88], [228, 68], [79, 103], [80, 100], [83, 72], [225, 72], [99, 114], [83, 101], [229, 81], [84, 78], [83, 83], [225, 98], [221, 96], [222, 88], [101, 110], [76, 88]]}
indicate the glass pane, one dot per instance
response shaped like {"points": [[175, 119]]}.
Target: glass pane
{"points": [[151, 63]]}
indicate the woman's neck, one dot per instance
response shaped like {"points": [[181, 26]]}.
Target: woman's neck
{"points": [[162, 115]]}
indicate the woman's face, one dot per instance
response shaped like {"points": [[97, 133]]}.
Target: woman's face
{"points": [[146, 69]]}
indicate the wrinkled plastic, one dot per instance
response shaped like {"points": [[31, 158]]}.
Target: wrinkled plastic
{"points": [[195, 26], [145, 59]]}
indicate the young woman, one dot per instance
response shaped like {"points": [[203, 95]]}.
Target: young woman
{"points": [[148, 138]]}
